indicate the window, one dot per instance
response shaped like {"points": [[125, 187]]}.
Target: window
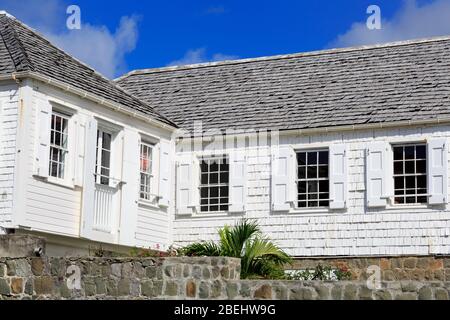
{"points": [[312, 179], [58, 145], [214, 184], [410, 174], [103, 160], [145, 170]]}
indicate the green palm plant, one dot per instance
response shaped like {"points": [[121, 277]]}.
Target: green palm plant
{"points": [[260, 257]]}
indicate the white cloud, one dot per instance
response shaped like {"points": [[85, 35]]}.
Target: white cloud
{"points": [[410, 22], [95, 45], [200, 55]]}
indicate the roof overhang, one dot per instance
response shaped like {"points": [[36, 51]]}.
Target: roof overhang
{"points": [[15, 76]]}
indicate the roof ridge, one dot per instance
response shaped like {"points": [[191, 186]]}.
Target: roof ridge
{"points": [[284, 56], [29, 64]]}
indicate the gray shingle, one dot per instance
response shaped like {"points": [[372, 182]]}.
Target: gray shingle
{"points": [[393, 82], [22, 49]]}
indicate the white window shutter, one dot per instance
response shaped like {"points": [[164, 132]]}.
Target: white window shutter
{"points": [[238, 175], [164, 174], [338, 176], [377, 174], [187, 185], [41, 167], [88, 177], [79, 137], [437, 171], [130, 188], [283, 179]]}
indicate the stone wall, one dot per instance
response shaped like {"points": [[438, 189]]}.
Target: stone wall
{"points": [[181, 278], [417, 268], [113, 278]]}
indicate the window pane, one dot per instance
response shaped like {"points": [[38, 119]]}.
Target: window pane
{"points": [[422, 182], [399, 182], [409, 152], [204, 192], [324, 186], [203, 166], [421, 166], [323, 172], [312, 186], [398, 153], [214, 192], [323, 157], [421, 152], [302, 187], [106, 159], [224, 191], [224, 177], [106, 141], [204, 179], [301, 172], [214, 178], [398, 167], [409, 167], [301, 158], [312, 172], [312, 158], [214, 167]]}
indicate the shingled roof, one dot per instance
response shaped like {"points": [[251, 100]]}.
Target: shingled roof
{"points": [[405, 81], [24, 50]]}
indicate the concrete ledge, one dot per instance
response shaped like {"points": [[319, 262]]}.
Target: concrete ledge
{"points": [[15, 246]]}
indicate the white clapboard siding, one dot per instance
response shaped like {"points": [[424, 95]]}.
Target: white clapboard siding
{"points": [[283, 178], [437, 171], [355, 230], [8, 134], [43, 139], [338, 176], [377, 174], [130, 188], [238, 178], [165, 165]]}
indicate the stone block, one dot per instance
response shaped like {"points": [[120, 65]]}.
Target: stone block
{"points": [[43, 285], [263, 292], [216, 289], [37, 266], [203, 291], [425, 293], [4, 287], [18, 267], [441, 294], [191, 289], [171, 289], [232, 290], [16, 285]]}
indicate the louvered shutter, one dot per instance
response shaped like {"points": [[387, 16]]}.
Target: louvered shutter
{"points": [[187, 185], [41, 167], [80, 133], [437, 171], [283, 179], [238, 174], [338, 176], [376, 174], [130, 188], [164, 174]]}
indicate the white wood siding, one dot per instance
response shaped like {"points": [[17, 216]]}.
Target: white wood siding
{"points": [[356, 230], [152, 228], [8, 131]]}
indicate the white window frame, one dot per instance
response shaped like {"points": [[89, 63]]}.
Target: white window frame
{"points": [[67, 181], [394, 205], [149, 174], [98, 166], [297, 180], [219, 185]]}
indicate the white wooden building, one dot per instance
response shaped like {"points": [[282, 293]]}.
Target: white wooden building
{"points": [[335, 153]]}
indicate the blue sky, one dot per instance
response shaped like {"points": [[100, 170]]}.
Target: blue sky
{"points": [[118, 36]]}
